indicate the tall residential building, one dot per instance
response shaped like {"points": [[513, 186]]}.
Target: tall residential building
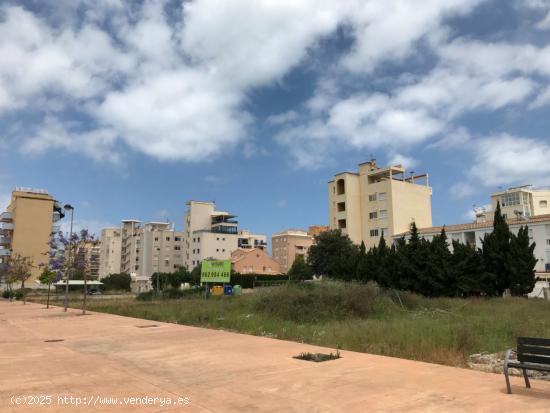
{"points": [[213, 234], [89, 253], [26, 227], [288, 244], [376, 201], [110, 252], [149, 248]]}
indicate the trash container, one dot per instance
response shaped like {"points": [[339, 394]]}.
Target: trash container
{"points": [[217, 290], [228, 290], [237, 290]]}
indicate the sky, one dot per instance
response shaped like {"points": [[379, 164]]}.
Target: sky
{"points": [[127, 109]]}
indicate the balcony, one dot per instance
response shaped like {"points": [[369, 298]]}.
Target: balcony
{"points": [[5, 253], [6, 217], [224, 229], [8, 226], [5, 240]]}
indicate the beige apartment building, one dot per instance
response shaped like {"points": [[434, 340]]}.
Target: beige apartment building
{"points": [[254, 261], [149, 248], [286, 245], [27, 225], [110, 251], [214, 234], [89, 252], [519, 202], [375, 201]]}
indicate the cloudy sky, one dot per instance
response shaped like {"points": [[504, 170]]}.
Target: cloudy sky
{"points": [[128, 109]]}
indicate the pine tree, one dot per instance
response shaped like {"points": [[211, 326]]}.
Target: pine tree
{"points": [[413, 257], [521, 263], [384, 265], [496, 248], [362, 269]]}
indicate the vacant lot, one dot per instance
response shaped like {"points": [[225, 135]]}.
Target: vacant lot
{"points": [[357, 317]]}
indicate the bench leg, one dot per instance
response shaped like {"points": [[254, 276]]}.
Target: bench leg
{"points": [[527, 384], [506, 358]]}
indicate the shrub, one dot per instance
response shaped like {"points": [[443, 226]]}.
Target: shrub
{"points": [[119, 282], [146, 296]]}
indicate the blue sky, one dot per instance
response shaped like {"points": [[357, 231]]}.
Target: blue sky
{"points": [[128, 109]]}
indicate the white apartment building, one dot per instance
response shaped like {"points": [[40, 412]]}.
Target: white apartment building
{"points": [[473, 233], [213, 234], [149, 248], [521, 201], [110, 251]]}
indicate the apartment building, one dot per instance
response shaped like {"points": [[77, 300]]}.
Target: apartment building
{"points": [[378, 201], [472, 234], [213, 234], [287, 245], [521, 201], [149, 248], [254, 261], [89, 253], [110, 251], [26, 227], [314, 230]]}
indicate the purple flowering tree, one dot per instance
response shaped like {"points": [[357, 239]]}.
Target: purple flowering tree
{"points": [[72, 257]]}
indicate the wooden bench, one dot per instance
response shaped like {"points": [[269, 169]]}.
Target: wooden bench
{"points": [[532, 354]]}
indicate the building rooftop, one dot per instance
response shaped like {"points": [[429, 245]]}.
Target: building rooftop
{"points": [[478, 225]]}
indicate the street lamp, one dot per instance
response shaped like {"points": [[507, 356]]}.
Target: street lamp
{"points": [[68, 207]]}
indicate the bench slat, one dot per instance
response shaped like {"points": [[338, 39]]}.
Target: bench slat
{"points": [[534, 341], [528, 366], [534, 350], [526, 358]]}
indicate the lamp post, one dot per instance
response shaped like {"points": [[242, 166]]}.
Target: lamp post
{"points": [[68, 207]]}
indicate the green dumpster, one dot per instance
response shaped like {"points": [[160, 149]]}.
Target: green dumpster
{"points": [[237, 290]]}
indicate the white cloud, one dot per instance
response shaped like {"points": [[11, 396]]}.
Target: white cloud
{"points": [[282, 118], [405, 161], [542, 99], [508, 160], [388, 30], [5, 199], [544, 24], [462, 190]]}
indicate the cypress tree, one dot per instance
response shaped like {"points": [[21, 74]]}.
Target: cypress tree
{"points": [[521, 263], [468, 271], [382, 273], [413, 259], [496, 247], [436, 278], [362, 268]]}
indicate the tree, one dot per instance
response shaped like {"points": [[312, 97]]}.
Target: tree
{"points": [[118, 281], [47, 277], [19, 269], [412, 260], [468, 272], [333, 255], [362, 270], [521, 263], [437, 279], [70, 258], [299, 271], [496, 248]]}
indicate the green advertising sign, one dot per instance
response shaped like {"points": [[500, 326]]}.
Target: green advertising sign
{"points": [[215, 271]]}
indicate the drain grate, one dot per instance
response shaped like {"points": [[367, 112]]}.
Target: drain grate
{"points": [[55, 340], [318, 357], [148, 326]]}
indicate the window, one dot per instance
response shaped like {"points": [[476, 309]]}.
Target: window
{"points": [[511, 198], [198, 251], [341, 223], [199, 239], [341, 206], [383, 213], [372, 197], [223, 250], [373, 215], [194, 240], [193, 251], [374, 232], [167, 238], [548, 242], [382, 196], [177, 247], [543, 204], [340, 187], [384, 231], [217, 238], [156, 238], [177, 238], [217, 250]]}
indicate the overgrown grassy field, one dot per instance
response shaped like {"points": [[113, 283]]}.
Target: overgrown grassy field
{"points": [[357, 317]]}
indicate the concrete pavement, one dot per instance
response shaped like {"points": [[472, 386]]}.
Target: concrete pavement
{"points": [[104, 361]]}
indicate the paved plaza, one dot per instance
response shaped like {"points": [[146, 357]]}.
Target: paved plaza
{"points": [[119, 364]]}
